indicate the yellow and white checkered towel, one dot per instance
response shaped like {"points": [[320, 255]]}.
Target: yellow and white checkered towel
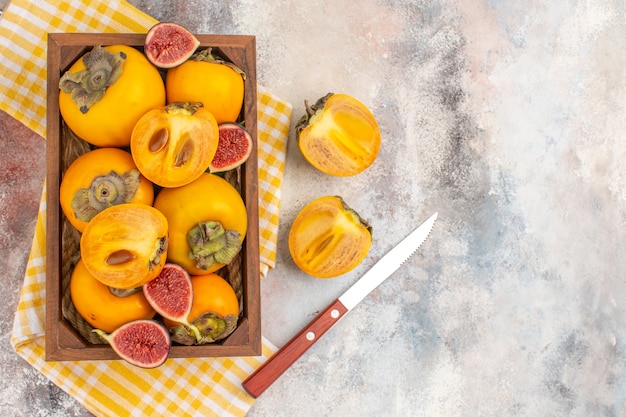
{"points": [[181, 387]]}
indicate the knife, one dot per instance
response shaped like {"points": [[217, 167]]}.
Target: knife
{"points": [[278, 363]]}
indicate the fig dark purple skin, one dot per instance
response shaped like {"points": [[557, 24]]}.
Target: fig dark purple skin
{"points": [[168, 44], [233, 149], [143, 343]]}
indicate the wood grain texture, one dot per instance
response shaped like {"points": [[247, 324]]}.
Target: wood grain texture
{"points": [[275, 366], [62, 341]]}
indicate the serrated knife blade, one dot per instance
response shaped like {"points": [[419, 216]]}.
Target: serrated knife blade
{"points": [[277, 364]]}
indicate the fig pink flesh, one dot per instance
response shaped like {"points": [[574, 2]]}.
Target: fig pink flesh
{"points": [[169, 44], [170, 293], [233, 149], [142, 343]]}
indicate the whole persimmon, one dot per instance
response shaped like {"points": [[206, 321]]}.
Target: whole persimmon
{"points": [[100, 306], [207, 221], [214, 310], [99, 179], [215, 82], [106, 91]]}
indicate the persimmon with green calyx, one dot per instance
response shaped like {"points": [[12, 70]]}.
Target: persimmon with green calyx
{"points": [[105, 93], [215, 311], [338, 135], [174, 144], [103, 307], [99, 179], [207, 221], [125, 246], [207, 78], [328, 238]]}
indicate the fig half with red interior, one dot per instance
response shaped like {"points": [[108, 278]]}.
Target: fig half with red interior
{"points": [[168, 44], [171, 295], [233, 149], [143, 343]]}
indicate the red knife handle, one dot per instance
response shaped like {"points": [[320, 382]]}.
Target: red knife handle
{"points": [[280, 361]]}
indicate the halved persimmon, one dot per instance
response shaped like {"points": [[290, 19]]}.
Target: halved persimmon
{"points": [[125, 246], [328, 238], [173, 145], [338, 135]]}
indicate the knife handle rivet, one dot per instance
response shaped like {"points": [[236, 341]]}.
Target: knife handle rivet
{"points": [[334, 313], [310, 336]]}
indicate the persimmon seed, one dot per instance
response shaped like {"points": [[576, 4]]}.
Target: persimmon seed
{"points": [[184, 155], [158, 140], [119, 257]]}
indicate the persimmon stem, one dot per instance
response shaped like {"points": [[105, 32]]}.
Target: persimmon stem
{"points": [[309, 109]]}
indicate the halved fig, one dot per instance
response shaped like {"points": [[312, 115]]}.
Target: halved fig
{"points": [[171, 295], [328, 238], [174, 144], [234, 147], [338, 135], [125, 246], [143, 343], [168, 44]]}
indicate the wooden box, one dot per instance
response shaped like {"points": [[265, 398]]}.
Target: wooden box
{"points": [[63, 341]]}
